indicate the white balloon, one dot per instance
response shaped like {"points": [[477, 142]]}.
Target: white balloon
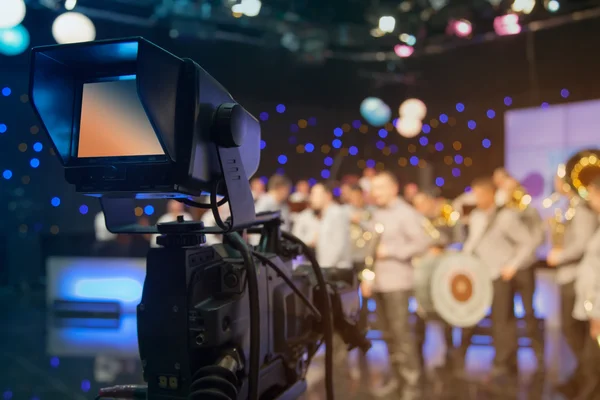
{"points": [[12, 13], [73, 27], [408, 127], [413, 108]]}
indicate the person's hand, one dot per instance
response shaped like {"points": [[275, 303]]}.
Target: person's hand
{"points": [[553, 257], [508, 272], [366, 288], [381, 251], [595, 328]]}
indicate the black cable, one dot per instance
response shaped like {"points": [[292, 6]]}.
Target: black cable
{"points": [[289, 282], [214, 205], [206, 206], [327, 321], [236, 241]]}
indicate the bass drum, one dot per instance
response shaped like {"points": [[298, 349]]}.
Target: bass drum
{"points": [[461, 289]]}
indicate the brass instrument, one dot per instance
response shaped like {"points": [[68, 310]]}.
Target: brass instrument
{"points": [[560, 218], [519, 199], [369, 241]]}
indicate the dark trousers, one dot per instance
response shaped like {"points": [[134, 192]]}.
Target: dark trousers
{"points": [[504, 322], [421, 332], [589, 379], [574, 331], [401, 342]]}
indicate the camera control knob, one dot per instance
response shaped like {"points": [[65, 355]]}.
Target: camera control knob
{"points": [[229, 125]]}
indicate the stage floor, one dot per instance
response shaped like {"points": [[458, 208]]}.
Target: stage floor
{"points": [[42, 362]]}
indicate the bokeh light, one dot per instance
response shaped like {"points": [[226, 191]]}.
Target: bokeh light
{"points": [[148, 210], [370, 163], [439, 146], [325, 174], [426, 128], [564, 93], [292, 139], [458, 159], [382, 133], [545, 105], [353, 150], [380, 144], [412, 109], [414, 160], [55, 202], [507, 101], [7, 174], [280, 108], [6, 91], [356, 124], [472, 124], [336, 143], [302, 123], [264, 116], [12, 13], [338, 132], [3, 128], [408, 127], [457, 145], [34, 162], [37, 147], [14, 41], [73, 27], [439, 181], [486, 143], [54, 362], [403, 51], [83, 209], [443, 118], [375, 111], [460, 107], [312, 121], [402, 161], [282, 159], [468, 161], [263, 144], [294, 128], [328, 161], [309, 147], [455, 172], [394, 149], [85, 385], [423, 141], [491, 114]]}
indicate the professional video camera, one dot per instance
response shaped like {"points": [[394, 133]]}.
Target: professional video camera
{"points": [[129, 120]]}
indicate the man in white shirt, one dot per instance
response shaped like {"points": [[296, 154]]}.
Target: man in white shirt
{"points": [[174, 209], [278, 191], [257, 186], [333, 249], [301, 192]]}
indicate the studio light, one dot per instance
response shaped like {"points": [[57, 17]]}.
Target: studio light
{"points": [[403, 51], [387, 24], [408, 127], [413, 109], [70, 4], [12, 13], [375, 111], [552, 5], [249, 8], [73, 27], [461, 28], [14, 41], [507, 25], [523, 6]]}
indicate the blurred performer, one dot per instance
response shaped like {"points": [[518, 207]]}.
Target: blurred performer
{"points": [[102, 233], [209, 220], [517, 199], [498, 237], [410, 191], [257, 186], [427, 206], [401, 239], [278, 191], [306, 226], [301, 192], [587, 304], [566, 256], [174, 209], [500, 178], [365, 181]]}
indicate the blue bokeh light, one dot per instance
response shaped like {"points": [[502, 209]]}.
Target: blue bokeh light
{"points": [[380, 144], [564, 93], [34, 162], [486, 143], [3, 128], [443, 118], [382, 133], [460, 107], [85, 385], [149, 210], [280, 108], [309, 147], [414, 160], [458, 159], [439, 146], [55, 202], [312, 181], [37, 147], [472, 124], [325, 174], [338, 132], [264, 116], [337, 192], [353, 150], [280, 171], [356, 124], [336, 143], [423, 140], [54, 362], [293, 139], [426, 128], [7, 174], [294, 128], [545, 105], [394, 149], [83, 209], [312, 121], [439, 181], [6, 91], [282, 159], [370, 163], [455, 172], [491, 114], [7, 395], [328, 161], [507, 101], [263, 144], [14, 41]]}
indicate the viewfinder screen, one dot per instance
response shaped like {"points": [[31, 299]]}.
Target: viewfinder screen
{"points": [[113, 122]]}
